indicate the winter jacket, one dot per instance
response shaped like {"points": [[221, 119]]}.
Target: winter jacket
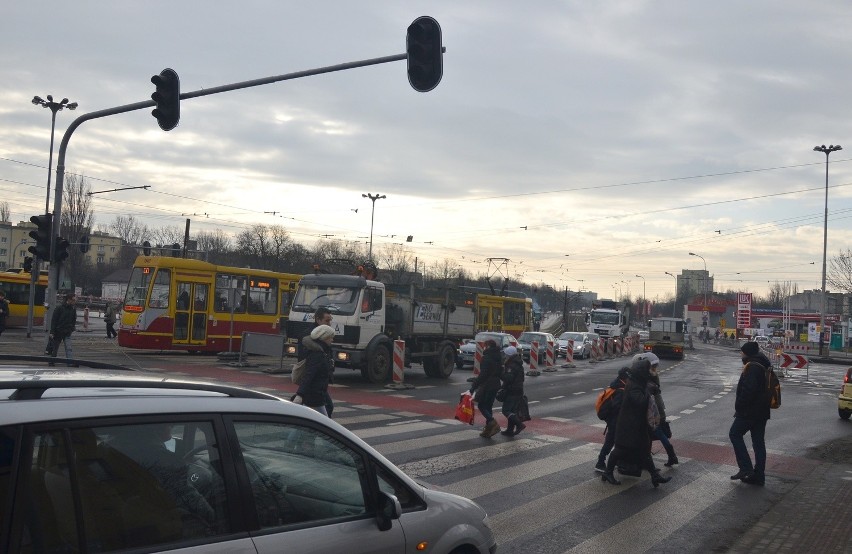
{"points": [[617, 398], [490, 369], [64, 320], [658, 397], [513, 376], [752, 399], [318, 368], [632, 431]]}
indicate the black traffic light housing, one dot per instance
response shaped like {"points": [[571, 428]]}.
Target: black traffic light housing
{"points": [[146, 248], [41, 234], [28, 265], [84, 244], [425, 54], [61, 253], [167, 97]]}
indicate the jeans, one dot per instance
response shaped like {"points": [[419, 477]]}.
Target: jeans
{"points": [[757, 428], [660, 435], [320, 409], [329, 404], [485, 403], [66, 341]]}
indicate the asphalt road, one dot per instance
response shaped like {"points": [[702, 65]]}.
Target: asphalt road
{"points": [[539, 487]]}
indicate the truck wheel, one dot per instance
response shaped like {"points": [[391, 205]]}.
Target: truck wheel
{"points": [[378, 366], [445, 361], [844, 414]]}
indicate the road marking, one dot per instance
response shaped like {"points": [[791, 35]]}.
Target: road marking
{"points": [[579, 393], [367, 418], [426, 442], [557, 397], [468, 458], [559, 419], [397, 430], [699, 406], [687, 411], [436, 401], [365, 406]]}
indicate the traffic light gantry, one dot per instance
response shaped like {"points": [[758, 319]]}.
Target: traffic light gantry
{"points": [[41, 234]]}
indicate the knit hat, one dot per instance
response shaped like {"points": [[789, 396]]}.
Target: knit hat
{"points": [[510, 351], [750, 348], [322, 332]]}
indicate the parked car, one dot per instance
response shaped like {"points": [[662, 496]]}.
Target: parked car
{"points": [[467, 351], [582, 344], [844, 401], [106, 460], [526, 339]]}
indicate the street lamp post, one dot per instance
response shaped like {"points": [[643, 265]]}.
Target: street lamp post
{"points": [[826, 151], [373, 198], [53, 107], [674, 304], [703, 283], [15, 251], [644, 301]]}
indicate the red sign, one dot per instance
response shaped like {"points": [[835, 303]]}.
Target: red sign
{"points": [[796, 361], [744, 310]]}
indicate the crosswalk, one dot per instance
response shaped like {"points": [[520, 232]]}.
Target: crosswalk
{"points": [[541, 492]]}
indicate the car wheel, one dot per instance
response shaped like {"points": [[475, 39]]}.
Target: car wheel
{"points": [[844, 414]]}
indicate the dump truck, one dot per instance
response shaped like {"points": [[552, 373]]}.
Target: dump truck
{"points": [[608, 319], [369, 315], [667, 337]]}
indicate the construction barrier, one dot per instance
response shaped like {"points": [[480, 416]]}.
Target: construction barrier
{"points": [[596, 351], [569, 355], [550, 357], [399, 367], [608, 349], [85, 317], [533, 371]]}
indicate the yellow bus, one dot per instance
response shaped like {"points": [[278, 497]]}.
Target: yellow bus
{"points": [[16, 285], [503, 314], [180, 304]]}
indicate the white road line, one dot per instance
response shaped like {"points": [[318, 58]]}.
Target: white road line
{"points": [[579, 393], [365, 406], [687, 411], [699, 406], [557, 397], [468, 458], [437, 401], [426, 442], [367, 418], [559, 419], [397, 430]]}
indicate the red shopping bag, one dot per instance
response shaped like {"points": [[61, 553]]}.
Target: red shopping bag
{"points": [[465, 411]]}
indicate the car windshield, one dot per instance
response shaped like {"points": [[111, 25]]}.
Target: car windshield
{"points": [[571, 336], [481, 337], [338, 300], [605, 318], [530, 337]]}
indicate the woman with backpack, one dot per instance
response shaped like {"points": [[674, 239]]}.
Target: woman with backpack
{"points": [[486, 385], [609, 413]]}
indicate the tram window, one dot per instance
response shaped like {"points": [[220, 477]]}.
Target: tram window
{"points": [[483, 318], [226, 295], [263, 296], [160, 289]]}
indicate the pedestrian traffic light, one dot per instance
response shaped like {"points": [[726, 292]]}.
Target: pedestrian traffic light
{"points": [[41, 234], [425, 54], [167, 97], [176, 250], [61, 253], [84, 244], [146, 248], [28, 265]]}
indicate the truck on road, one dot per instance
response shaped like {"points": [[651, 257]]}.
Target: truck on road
{"points": [[667, 337], [369, 315], [608, 319]]}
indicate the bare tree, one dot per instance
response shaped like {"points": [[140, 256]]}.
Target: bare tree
{"points": [[128, 229], [253, 246], [166, 236], [75, 223], [445, 272], [397, 261], [839, 272], [216, 244], [5, 212]]}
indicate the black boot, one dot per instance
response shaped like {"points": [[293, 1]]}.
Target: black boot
{"points": [[608, 477], [656, 478], [672, 456], [510, 428], [519, 425]]}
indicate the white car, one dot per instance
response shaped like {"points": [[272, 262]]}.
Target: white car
{"points": [[582, 344], [643, 335], [120, 460]]}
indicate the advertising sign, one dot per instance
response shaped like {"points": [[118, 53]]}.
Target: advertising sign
{"points": [[743, 310], [813, 334]]}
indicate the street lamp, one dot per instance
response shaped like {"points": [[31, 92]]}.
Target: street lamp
{"points": [[644, 301], [373, 198], [704, 281], [54, 107], [674, 304], [826, 151], [15, 251]]}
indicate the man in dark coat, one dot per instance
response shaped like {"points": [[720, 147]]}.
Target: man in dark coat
{"points": [[62, 324], [632, 432], [486, 385], [513, 383], [318, 368], [751, 412]]}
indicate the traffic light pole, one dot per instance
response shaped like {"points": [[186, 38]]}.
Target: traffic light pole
{"points": [[53, 274]]}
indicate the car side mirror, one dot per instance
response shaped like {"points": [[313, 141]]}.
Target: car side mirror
{"points": [[389, 509]]}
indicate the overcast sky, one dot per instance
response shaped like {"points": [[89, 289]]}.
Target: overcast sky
{"points": [[586, 142]]}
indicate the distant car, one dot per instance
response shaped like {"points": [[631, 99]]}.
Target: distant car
{"points": [[775, 340], [761, 340], [844, 401], [643, 336], [467, 351], [526, 339], [582, 345]]}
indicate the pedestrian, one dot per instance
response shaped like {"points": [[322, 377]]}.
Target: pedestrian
{"points": [[619, 383], [318, 367], [4, 311], [659, 431], [109, 318], [751, 412], [513, 384], [486, 385], [322, 316], [633, 428], [62, 324]]}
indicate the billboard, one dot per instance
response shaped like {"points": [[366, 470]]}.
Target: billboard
{"points": [[743, 310]]}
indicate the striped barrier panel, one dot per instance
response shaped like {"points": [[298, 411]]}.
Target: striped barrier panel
{"points": [[399, 367], [533, 371], [550, 357], [477, 358], [569, 355]]}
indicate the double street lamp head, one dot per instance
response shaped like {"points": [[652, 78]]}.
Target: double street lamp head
{"points": [[55, 106], [828, 150]]}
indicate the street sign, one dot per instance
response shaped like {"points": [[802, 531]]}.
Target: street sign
{"points": [[796, 361]]}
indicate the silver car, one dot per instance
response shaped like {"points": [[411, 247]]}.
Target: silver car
{"points": [[582, 345], [116, 460]]}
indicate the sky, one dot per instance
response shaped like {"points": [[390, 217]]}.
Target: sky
{"points": [[586, 143]]}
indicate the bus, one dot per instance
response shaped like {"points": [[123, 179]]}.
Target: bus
{"points": [[503, 314], [16, 285], [181, 304]]}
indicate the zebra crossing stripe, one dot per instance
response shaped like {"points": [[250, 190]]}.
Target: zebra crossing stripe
{"points": [[502, 478], [679, 507], [367, 418], [425, 442], [451, 462], [395, 430]]}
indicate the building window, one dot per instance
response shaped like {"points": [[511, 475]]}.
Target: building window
{"points": [[100, 259], [101, 248], [3, 251]]}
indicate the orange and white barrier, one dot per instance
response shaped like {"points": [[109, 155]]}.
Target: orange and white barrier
{"points": [[550, 359], [596, 351], [533, 371], [477, 358], [86, 318], [399, 367], [569, 355]]}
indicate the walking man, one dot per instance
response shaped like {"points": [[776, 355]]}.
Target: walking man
{"points": [[109, 318], [4, 311], [751, 411], [62, 324]]}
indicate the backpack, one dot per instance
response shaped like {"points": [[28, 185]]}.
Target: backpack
{"points": [[605, 404], [773, 389]]}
